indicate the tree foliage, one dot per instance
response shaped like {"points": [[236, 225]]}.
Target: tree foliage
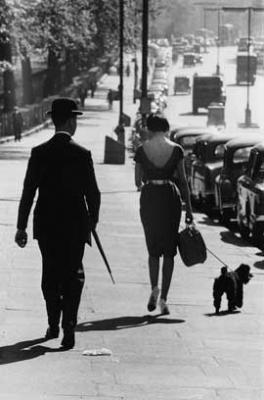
{"points": [[174, 17]]}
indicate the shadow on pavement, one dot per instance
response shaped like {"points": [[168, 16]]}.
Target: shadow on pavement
{"points": [[195, 115], [10, 154], [222, 313], [25, 350], [208, 221], [259, 264], [125, 323], [230, 237]]}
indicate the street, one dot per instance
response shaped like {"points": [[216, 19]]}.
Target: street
{"points": [[236, 95], [190, 354]]}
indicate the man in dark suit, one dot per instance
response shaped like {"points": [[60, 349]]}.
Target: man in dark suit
{"points": [[66, 211]]}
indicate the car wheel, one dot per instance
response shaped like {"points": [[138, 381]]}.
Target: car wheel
{"points": [[196, 202], [244, 231], [195, 110], [257, 235], [226, 215]]}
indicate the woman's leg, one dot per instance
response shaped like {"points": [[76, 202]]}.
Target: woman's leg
{"points": [[167, 270], [154, 279], [153, 271]]}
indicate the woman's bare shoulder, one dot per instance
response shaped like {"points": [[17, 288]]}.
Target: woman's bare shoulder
{"points": [[171, 143]]}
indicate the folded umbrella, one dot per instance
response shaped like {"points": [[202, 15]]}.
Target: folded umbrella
{"points": [[100, 248]]}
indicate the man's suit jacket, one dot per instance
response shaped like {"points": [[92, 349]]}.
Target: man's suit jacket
{"points": [[68, 197]]}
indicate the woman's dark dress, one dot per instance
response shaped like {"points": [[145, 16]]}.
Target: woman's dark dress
{"points": [[160, 205]]}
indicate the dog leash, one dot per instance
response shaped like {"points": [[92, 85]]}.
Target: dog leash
{"points": [[216, 257], [207, 248]]}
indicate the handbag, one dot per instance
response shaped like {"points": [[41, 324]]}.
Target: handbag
{"points": [[191, 245]]}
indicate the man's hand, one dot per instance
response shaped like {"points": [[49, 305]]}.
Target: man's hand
{"points": [[188, 218], [21, 238]]}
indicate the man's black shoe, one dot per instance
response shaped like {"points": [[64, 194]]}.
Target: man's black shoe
{"points": [[68, 340], [52, 332]]}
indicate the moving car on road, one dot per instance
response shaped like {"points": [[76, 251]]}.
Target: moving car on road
{"points": [[246, 68], [250, 197], [206, 90], [182, 85], [189, 60], [236, 157]]}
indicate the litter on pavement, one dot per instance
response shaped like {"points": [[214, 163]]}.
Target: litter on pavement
{"points": [[97, 352]]}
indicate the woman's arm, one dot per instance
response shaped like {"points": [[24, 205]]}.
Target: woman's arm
{"points": [[138, 176], [184, 188]]}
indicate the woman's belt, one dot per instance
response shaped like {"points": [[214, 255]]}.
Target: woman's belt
{"points": [[158, 181]]}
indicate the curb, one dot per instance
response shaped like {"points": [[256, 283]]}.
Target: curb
{"points": [[26, 133]]}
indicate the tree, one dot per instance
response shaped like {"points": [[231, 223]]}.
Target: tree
{"points": [[63, 31], [174, 17], [6, 56], [24, 17]]}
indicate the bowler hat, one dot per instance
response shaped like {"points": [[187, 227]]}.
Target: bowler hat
{"points": [[64, 106]]}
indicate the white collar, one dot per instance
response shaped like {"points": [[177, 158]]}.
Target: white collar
{"points": [[64, 132]]}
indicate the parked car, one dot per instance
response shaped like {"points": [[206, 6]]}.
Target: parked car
{"points": [[207, 163], [250, 197], [236, 158], [186, 137], [207, 90]]}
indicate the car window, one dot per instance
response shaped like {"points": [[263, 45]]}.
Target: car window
{"points": [[188, 141], [251, 165], [260, 173], [241, 155], [219, 151]]}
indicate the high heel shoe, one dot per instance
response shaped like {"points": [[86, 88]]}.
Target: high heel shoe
{"points": [[152, 303], [164, 309]]}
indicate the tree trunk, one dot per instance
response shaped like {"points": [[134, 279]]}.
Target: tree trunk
{"points": [[9, 91], [8, 75], [52, 83], [28, 93]]}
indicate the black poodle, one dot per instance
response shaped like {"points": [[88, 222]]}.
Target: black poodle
{"points": [[231, 283]]}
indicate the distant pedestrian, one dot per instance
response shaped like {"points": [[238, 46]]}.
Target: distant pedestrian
{"points": [[82, 93], [128, 70], [158, 162], [93, 87], [17, 124], [66, 211], [110, 99]]}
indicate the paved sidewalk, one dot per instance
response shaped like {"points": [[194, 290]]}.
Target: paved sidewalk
{"points": [[189, 355]]}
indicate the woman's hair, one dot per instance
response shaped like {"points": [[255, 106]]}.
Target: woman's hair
{"points": [[156, 123]]}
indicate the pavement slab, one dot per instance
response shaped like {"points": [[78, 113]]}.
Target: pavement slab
{"points": [[189, 355]]}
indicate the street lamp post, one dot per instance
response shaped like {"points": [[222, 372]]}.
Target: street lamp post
{"points": [[248, 111], [144, 103], [248, 122], [120, 130], [205, 33], [135, 60], [218, 37], [121, 61], [205, 4]]}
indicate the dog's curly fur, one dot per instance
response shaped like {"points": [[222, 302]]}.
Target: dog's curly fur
{"points": [[231, 283]]}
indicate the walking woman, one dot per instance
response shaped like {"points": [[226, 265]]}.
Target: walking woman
{"points": [[159, 161]]}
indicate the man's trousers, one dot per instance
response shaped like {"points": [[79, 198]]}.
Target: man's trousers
{"points": [[62, 278]]}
